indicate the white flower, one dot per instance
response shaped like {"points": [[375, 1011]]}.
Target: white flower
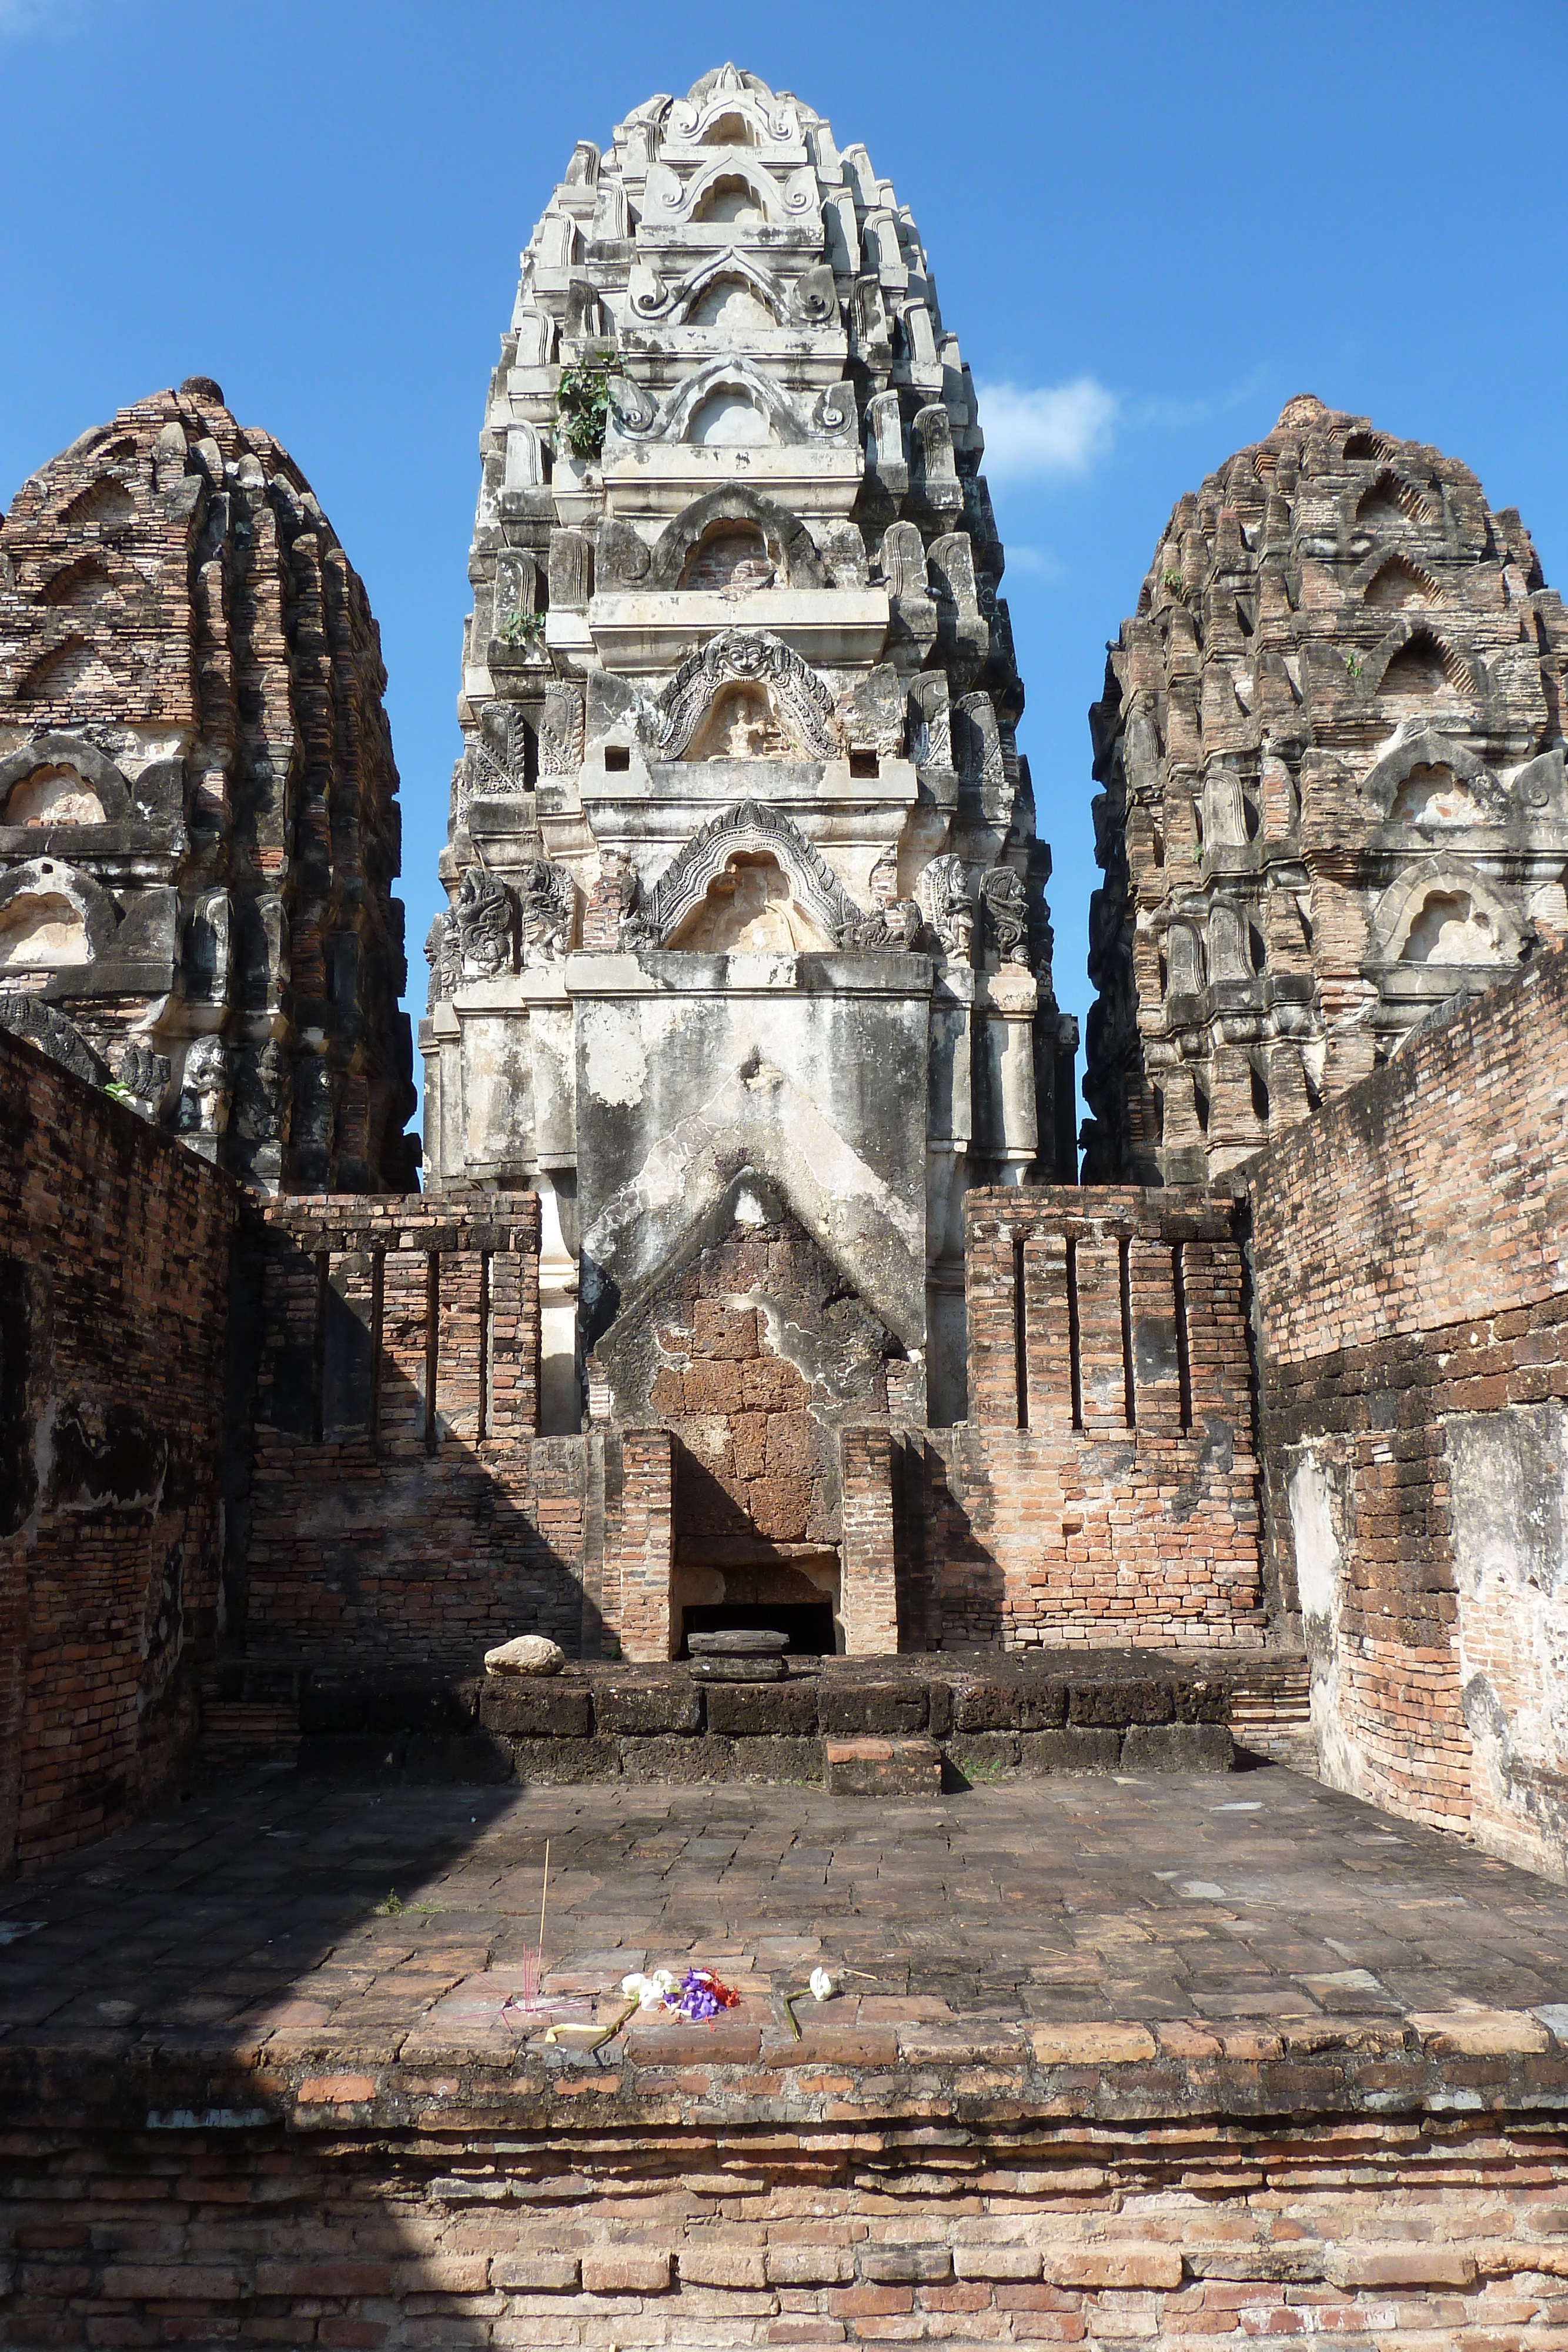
{"points": [[643, 1990], [820, 1984], [666, 1980]]}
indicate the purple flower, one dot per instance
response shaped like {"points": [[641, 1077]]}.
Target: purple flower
{"points": [[701, 1995]]}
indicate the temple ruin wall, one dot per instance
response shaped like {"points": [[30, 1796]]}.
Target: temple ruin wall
{"points": [[1408, 1250], [115, 1248]]}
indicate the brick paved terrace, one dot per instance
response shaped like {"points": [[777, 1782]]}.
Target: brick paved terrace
{"points": [[255, 1922], [1116, 2057]]}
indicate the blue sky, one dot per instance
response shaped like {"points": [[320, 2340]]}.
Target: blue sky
{"points": [[1151, 225]]}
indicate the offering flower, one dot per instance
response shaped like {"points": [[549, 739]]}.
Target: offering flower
{"points": [[701, 1996], [820, 1984]]}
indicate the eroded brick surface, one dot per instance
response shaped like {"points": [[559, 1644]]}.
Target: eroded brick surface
{"points": [[198, 806], [1331, 748]]}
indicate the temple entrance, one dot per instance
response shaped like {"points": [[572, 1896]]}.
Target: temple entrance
{"points": [[716, 1587], [809, 1624]]}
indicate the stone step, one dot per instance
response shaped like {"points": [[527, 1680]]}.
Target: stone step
{"points": [[884, 1767]]}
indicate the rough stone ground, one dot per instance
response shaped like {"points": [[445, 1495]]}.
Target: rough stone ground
{"points": [[267, 1911]]}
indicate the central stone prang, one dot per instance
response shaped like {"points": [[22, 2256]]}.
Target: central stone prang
{"points": [[745, 895]]}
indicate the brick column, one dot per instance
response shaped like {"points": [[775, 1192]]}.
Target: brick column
{"points": [[868, 1603], [1048, 1333], [1103, 1370], [644, 1545], [514, 1337], [991, 1299]]}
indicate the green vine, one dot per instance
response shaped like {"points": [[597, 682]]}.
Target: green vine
{"points": [[1173, 583], [582, 405], [1352, 665], [524, 629]]}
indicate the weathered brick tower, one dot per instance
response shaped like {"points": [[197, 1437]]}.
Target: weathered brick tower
{"points": [[745, 889], [198, 810], [1331, 751]]}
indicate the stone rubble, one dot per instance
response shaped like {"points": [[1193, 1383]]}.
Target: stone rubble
{"points": [[530, 1654]]}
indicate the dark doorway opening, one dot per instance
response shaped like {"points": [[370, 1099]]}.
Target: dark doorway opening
{"points": [[808, 1624]]}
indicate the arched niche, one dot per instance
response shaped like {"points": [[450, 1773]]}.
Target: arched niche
{"points": [[61, 778], [750, 906], [106, 505], [728, 418], [1431, 748], [70, 672], [1418, 666], [743, 721], [83, 586], [1389, 502], [788, 545], [52, 918], [1444, 913], [733, 305], [733, 196], [732, 553], [730, 129], [636, 417], [1450, 927], [759, 840], [1399, 586], [1433, 798], [53, 795], [40, 931]]}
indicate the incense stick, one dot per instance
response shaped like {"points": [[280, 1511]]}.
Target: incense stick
{"points": [[544, 1897]]}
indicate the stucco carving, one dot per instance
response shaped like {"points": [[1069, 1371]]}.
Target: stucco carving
{"points": [[485, 927], [944, 893], [561, 732], [749, 826], [748, 655], [547, 909], [1007, 915]]}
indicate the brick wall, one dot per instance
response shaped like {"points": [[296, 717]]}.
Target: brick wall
{"points": [[402, 1504], [1267, 2232], [1103, 1489], [1410, 1248], [114, 1260]]}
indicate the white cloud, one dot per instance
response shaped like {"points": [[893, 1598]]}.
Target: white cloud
{"points": [[1037, 562], [1034, 431]]}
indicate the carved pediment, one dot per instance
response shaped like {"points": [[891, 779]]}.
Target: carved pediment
{"points": [[635, 416], [752, 657], [748, 827]]}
